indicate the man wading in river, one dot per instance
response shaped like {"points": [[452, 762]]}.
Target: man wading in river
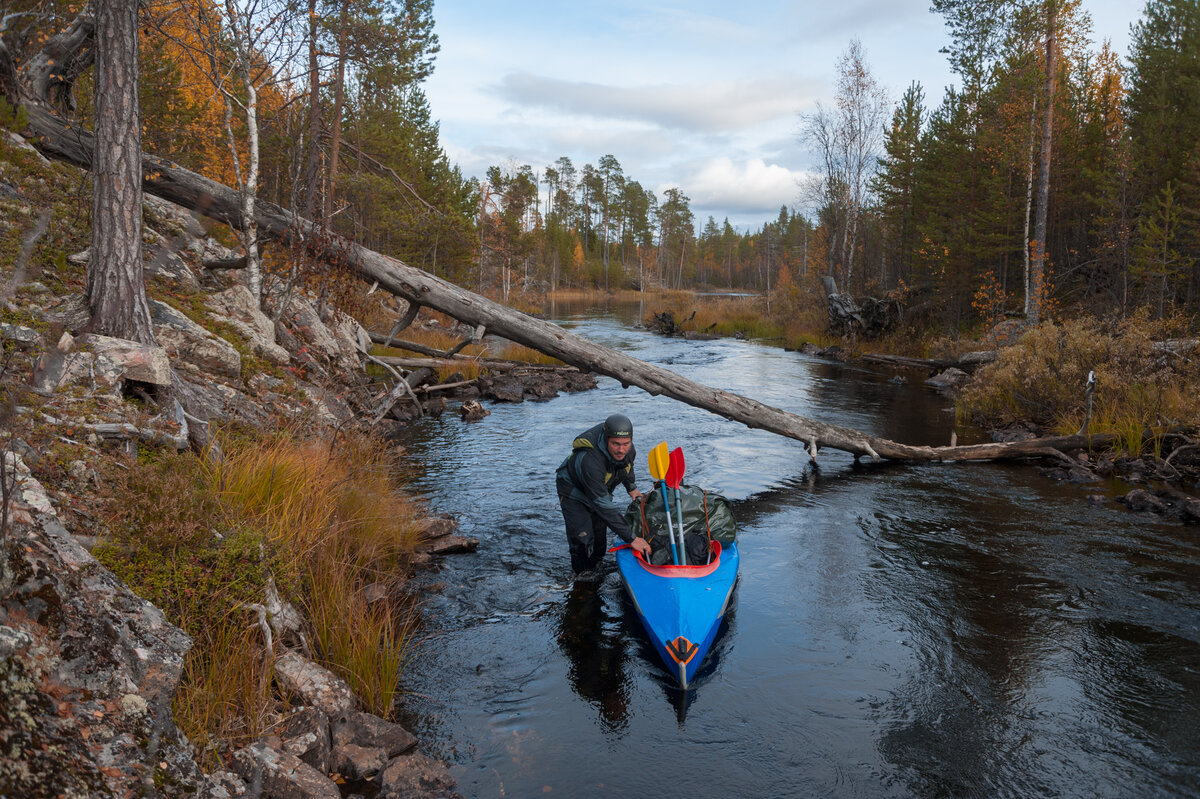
{"points": [[601, 459]]}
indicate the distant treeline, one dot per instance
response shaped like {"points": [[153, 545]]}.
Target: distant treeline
{"points": [[1052, 175]]}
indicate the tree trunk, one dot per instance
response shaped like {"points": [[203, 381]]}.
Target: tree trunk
{"points": [[339, 100], [196, 192], [116, 293], [1037, 267], [313, 174]]}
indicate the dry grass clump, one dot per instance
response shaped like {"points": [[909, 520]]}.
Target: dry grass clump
{"points": [[734, 316], [205, 540], [1140, 393], [511, 351]]}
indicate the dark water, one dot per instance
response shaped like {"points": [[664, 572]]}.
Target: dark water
{"points": [[908, 631]]}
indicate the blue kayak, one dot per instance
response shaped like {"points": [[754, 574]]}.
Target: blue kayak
{"points": [[681, 607]]}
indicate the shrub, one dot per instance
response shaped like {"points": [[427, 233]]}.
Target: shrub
{"points": [[1140, 392]]}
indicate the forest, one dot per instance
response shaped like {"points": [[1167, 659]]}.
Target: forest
{"points": [[1054, 177]]}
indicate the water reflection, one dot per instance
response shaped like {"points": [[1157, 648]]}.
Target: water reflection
{"points": [[595, 654]]}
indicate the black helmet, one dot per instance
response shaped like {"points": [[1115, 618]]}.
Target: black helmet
{"points": [[618, 426]]}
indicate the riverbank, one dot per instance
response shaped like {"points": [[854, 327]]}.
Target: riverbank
{"points": [[198, 603]]}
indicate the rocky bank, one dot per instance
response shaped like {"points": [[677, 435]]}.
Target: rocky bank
{"points": [[88, 670]]}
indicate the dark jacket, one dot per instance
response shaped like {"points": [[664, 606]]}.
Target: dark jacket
{"points": [[590, 474]]}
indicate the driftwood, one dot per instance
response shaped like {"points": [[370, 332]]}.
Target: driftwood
{"points": [[867, 318], [967, 362], [412, 346], [55, 138], [488, 363]]}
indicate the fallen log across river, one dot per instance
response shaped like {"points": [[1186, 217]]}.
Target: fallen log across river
{"points": [[55, 138]]}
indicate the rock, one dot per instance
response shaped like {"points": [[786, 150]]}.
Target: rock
{"points": [[56, 369], [226, 785], [167, 265], [472, 411], [502, 388], [1014, 433], [450, 545], [19, 141], [1141, 499], [416, 776], [436, 525], [365, 729], [356, 762], [307, 324], [1190, 511], [81, 258], [332, 409], [348, 333], [979, 358], [24, 337], [951, 379], [88, 672], [313, 684], [128, 360], [305, 734], [271, 774], [236, 306], [191, 344]]}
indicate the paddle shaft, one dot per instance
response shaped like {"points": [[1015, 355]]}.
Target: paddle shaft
{"points": [[670, 527]]}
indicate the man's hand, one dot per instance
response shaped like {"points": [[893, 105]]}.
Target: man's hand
{"points": [[635, 495], [640, 544]]}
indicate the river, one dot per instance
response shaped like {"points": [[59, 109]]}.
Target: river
{"points": [[943, 630]]}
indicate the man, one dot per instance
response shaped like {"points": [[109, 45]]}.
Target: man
{"points": [[601, 459]]}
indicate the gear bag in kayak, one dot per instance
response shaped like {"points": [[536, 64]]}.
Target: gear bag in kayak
{"points": [[706, 517]]}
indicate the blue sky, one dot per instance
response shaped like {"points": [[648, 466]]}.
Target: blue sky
{"points": [[701, 95]]}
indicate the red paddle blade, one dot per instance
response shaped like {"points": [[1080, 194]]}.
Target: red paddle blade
{"points": [[675, 469]]}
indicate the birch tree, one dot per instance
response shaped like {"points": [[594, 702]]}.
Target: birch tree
{"points": [[847, 139]]}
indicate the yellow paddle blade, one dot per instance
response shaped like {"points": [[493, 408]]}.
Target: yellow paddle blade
{"points": [[660, 460]]}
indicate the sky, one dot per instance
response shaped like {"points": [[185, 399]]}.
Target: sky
{"points": [[704, 96]]}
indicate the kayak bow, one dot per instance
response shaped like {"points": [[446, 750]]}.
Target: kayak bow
{"points": [[681, 607]]}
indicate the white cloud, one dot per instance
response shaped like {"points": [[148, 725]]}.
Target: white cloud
{"points": [[709, 107], [741, 188]]}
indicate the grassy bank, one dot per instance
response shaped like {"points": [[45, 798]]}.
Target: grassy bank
{"points": [[207, 541]]}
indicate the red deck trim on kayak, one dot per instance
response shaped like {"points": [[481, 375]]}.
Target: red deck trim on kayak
{"points": [[703, 570]]}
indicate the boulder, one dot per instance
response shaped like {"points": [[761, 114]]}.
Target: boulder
{"points": [[949, 380], [120, 359], [1141, 499], [313, 684], [365, 729], [450, 545], [307, 324], [189, 343], [304, 734], [167, 265], [88, 671], [356, 762], [472, 411], [271, 774], [416, 776], [25, 337], [101, 362], [237, 307]]}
